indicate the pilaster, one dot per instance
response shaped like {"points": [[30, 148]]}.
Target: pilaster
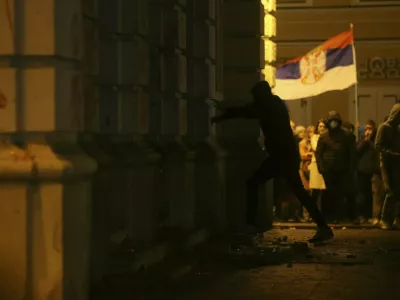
{"points": [[169, 112], [51, 203], [204, 84], [244, 62], [124, 81]]}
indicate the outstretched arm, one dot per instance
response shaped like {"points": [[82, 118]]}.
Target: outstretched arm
{"points": [[247, 111]]}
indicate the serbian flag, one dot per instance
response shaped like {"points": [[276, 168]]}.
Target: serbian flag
{"points": [[330, 66]]}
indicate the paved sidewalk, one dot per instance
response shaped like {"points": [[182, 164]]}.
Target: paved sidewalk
{"points": [[288, 225], [358, 264]]}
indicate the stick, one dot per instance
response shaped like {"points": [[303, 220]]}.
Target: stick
{"points": [[356, 85]]}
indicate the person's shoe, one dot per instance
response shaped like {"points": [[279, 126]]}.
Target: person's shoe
{"points": [[396, 224], [322, 235], [374, 221], [385, 225]]}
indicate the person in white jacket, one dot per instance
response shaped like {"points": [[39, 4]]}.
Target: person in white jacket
{"points": [[316, 181]]}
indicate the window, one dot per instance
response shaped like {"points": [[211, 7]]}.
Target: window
{"points": [[294, 3]]}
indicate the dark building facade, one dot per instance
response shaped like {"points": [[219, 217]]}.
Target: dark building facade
{"points": [[106, 141]]}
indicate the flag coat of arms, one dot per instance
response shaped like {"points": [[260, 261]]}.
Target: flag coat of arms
{"points": [[330, 66]]}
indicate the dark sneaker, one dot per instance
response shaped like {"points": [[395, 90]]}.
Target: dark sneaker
{"points": [[375, 221], [385, 225], [322, 235]]}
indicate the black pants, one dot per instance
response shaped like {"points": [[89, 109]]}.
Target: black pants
{"points": [[333, 205], [279, 168], [318, 197], [391, 179], [365, 189]]}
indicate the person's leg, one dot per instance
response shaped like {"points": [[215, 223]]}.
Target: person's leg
{"points": [[316, 196], [396, 196], [327, 198], [338, 188], [351, 206], [378, 197], [265, 172], [323, 232], [366, 191], [330, 204], [390, 203], [296, 185], [277, 201], [321, 200], [389, 206]]}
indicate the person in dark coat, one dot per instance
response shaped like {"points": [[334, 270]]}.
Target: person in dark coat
{"points": [[335, 157], [283, 158], [367, 166], [351, 184], [387, 143]]}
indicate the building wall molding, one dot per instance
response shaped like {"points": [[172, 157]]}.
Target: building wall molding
{"points": [[355, 6], [294, 43], [375, 2], [294, 3]]}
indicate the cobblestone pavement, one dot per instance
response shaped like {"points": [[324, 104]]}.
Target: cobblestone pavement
{"points": [[358, 264]]}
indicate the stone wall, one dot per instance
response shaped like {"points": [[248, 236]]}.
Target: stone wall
{"points": [[106, 145]]}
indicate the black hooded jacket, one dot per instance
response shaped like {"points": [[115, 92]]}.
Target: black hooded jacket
{"points": [[387, 143], [336, 148], [388, 136], [274, 120]]}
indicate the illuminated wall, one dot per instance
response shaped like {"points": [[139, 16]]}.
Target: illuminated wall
{"points": [[268, 37]]}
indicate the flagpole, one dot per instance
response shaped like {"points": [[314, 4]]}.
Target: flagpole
{"points": [[356, 85]]}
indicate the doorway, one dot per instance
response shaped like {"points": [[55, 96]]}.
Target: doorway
{"points": [[374, 103]]}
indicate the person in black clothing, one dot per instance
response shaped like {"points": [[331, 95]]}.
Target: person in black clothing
{"points": [[283, 158], [350, 187], [387, 143], [335, 157], [367, 166]]}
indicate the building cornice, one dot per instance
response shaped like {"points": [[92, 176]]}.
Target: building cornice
{"points": [[370, 41]]}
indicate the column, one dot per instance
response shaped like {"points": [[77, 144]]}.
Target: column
{"points": [[124, 79], [269, 29], [174, 103], [170, 99], [243, 64], [157, 74], [204, 84], [45, 181]]}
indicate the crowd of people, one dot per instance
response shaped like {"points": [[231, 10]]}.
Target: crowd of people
{"points": [[325, 164], [352, 172]]}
